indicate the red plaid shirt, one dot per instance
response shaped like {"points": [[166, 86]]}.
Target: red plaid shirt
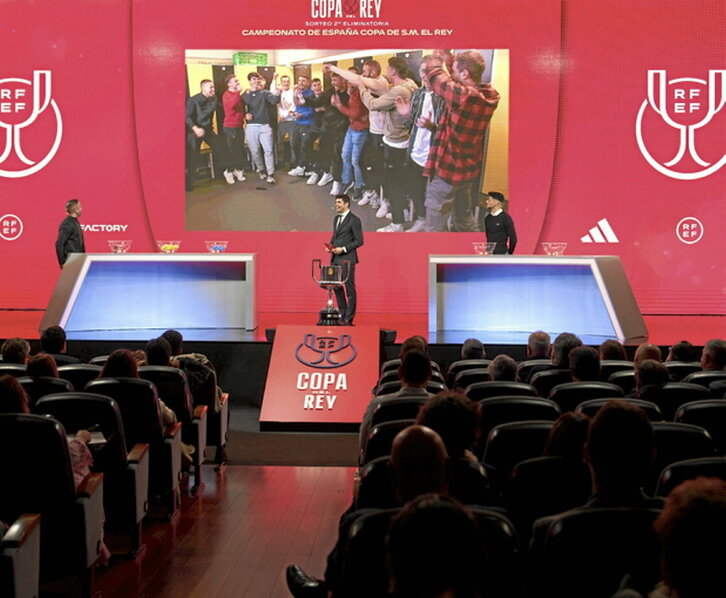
{"points": [[458, 145]]}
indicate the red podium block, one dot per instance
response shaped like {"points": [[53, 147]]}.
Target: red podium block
{"points": [[320, 378]]}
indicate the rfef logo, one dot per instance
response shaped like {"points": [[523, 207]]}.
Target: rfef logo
{"points": [[11, 227], [325, 352], [689, 230], [687, 105], [32, 125]]}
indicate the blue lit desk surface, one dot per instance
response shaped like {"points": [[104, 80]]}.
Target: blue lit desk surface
{"points": [[117, 295], [508, 297]]}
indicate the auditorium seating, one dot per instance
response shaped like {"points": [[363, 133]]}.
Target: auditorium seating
{"points": [[706, 377], [466, 378], [392, 409], [39, 386], [678, 370], [591, 407], [217, 415], [625, 379], [433, 387], [392, 364], [37, 478], [610, 366], [140, 413], [670, 396], [710, 415], [464, 364], [126, 472], [380, 438], [498, 388], [13, 369], [524, 367], [546, 380], [79, 374], [509, 443], [172, 388], [20, 557], [570, 394], [680, 471], [98, 360]]}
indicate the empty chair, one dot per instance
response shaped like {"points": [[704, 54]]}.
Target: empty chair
{"points": [[172, 387], [38, 478], [397, 408], [546, 380], [524, 367], [677, 442], [678, 370], [710, 415], [79, 374], [680, 471], [591, 407], [544, 486], [610, 366], [705, 377], [570, 394], [498, 388], [20, 557], [13, 369], [380, 438], [464, 364], [466, 378], [670, 396], [499, 410], [625, 379], [509, 443], [217, 415], [588, 551], [39, 386], [126, 472], [141, 416], [98, 360]]}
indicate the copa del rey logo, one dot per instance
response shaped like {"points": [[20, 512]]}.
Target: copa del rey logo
{"points": [[337, 9], [679, 128], [30, 125]]}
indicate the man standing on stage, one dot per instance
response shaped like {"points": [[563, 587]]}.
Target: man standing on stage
{"points": [[457, 148], [498, 224], [70, 233], [347, 237]]}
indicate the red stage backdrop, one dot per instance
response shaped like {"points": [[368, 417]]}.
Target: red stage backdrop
{"points": [[617, 134]]}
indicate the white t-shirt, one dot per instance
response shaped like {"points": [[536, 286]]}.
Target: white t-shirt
{"points": [[422, 143]]}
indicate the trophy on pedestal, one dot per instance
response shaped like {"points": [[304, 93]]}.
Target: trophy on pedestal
{"points": [[330, 277]]}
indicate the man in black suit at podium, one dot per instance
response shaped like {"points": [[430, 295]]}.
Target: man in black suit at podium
{"points": [[347, 237]]}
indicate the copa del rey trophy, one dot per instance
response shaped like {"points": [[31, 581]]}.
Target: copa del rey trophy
{"points": [[330, 277]]}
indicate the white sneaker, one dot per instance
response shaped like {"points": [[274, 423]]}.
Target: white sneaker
{"points": [[375, 203], [263, 174], [313, 178], [384, 209], [418, 226], [229, 177], [337, 188], [240, 174], [367, 196], [407, 215], [349, 187], [391, 228], [270, 179], [325, 179], [297, 171], [389, 216]]}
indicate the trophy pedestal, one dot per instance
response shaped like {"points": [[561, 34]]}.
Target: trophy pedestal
{"points": [[330, 315]]}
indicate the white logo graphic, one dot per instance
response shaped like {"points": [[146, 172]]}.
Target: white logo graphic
{"points": [[683, 105], [11, 227], [689, 230], [602, 233], [18, 111]]}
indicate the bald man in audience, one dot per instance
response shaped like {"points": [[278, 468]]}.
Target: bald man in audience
{"points": [[647, 351], [538, 345]]}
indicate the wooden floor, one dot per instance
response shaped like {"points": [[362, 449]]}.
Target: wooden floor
{"points": [[237, 536]]}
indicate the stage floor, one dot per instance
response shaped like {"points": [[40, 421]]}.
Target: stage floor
{"points": [[663, 330]]}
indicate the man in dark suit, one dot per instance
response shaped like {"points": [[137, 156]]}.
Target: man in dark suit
{"points": [[347, 237], [70, 234]]}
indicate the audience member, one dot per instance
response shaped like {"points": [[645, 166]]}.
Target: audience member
{"points": [[568, 436], [13, 398], [502, 369], [473, 349], [158, 352], [584, 364], [434, 550], [647, 351], [612, 349], [42, 364], [713, 356], [682, 351], [53, 342], [453, 417], [559, 353], [650, 372], [414, 372], [15, 350], [538, 345]]}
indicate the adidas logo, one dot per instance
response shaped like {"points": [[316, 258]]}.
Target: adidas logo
{"points": [[602, 233]]}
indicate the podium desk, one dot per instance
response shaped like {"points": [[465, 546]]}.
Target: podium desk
{"points": [[136, 295], [503, 298]]}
